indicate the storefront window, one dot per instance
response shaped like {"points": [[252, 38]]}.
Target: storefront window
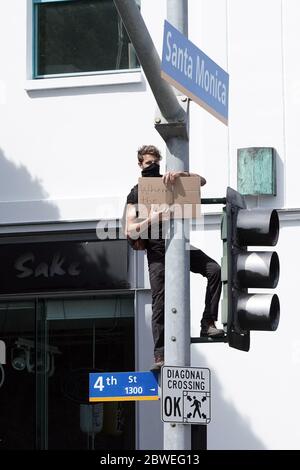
{"points": [[17, 392], [52, 345]]}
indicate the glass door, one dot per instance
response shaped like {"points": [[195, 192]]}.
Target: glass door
{"points": [[17, 376], [77, 337]]}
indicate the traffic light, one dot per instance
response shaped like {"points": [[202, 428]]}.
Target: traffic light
{"points": [[242, 311]]}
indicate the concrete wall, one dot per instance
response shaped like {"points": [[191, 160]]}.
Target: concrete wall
{"points": [[254, 402], [66, 142]]}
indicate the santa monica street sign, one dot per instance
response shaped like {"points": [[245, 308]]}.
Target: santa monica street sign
{"points": [[192, 72]]}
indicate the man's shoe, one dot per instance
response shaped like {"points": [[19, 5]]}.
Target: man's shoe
{"points": [[158, 363], [212, 332]]}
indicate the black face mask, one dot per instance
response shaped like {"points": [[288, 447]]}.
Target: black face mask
{"points": [[151, 170]]}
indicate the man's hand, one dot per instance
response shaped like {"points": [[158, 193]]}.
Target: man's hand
{"points": [[171, 176], [159, 213]]}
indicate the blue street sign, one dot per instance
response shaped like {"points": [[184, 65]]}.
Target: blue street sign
{"points": [[123, 386], [187, 68]]}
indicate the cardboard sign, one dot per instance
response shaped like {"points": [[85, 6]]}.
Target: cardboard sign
{"points": [[183, 197]]}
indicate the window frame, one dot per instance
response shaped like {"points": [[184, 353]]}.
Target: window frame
{"points": [[34, 76]]}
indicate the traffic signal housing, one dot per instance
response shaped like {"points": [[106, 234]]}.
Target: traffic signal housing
{"points": [[243, 269]]}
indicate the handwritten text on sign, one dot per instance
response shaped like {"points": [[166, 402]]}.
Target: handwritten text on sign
{"points": [[183, 196]]}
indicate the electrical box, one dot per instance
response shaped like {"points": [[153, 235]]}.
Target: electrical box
{"points": [[256, 171]]}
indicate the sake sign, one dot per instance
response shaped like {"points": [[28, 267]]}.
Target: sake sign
{"points": [[192, 72]]}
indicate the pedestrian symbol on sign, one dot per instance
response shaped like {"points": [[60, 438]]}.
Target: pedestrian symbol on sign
{"points": [[196, 407], [197, 404]]}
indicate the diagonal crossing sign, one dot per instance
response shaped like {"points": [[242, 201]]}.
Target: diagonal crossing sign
{"points": [[185, 395]]}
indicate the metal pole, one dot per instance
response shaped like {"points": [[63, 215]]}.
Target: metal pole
{"points": [[178, 15], [149, 58], [177, 266], [177, 285]]}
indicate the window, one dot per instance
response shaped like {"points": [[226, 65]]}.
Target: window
{"points": [[75, 37], [52, 346]]}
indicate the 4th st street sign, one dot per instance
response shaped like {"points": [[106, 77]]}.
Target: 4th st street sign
{"points": [[185, 395], [122, 386]]}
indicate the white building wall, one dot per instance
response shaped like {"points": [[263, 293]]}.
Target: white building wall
{"points": [[248, 411], [67, 150], [69, 146], [291, 49], [208, 31]]}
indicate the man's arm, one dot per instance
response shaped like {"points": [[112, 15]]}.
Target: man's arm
{"points": [[171, 176], [134, 227]]}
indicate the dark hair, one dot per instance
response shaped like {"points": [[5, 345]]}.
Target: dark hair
{"points": [[148, 150]]}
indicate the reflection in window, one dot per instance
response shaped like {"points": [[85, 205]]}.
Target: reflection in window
{"points": [[17, 377], [52, 346], [80, 36]]}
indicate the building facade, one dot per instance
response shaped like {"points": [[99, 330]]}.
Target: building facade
{"points": [[74, 108]]}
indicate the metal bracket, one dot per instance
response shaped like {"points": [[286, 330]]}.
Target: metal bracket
{"points": [[205, 339], [177, 127]]}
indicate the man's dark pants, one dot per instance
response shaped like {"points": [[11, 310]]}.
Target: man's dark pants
{"points": [[199, 263]]}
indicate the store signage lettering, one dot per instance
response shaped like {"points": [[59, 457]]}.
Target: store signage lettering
{"points": [[67, 265], [27, 266]]}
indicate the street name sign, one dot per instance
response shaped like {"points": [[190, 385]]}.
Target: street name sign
{"points": [[192, 72], [123, 386], [185, 395]]}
